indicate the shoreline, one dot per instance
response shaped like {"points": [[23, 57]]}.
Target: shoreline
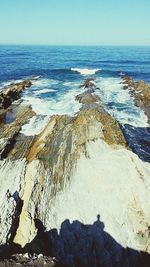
{"points": [[70, 154]]}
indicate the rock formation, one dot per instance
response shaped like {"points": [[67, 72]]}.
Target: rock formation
{"points": [[141, 93], [76, 168], [89, 83], [12, 92]]}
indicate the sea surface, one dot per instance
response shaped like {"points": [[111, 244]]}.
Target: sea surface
{"points": [[61, 71]]}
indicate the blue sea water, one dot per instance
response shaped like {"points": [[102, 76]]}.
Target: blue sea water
{"points": [[17, 62], [62, 69]]}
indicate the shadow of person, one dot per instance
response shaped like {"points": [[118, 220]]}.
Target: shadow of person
{"points": [[80, 245], [99, 223], [83, 245]]}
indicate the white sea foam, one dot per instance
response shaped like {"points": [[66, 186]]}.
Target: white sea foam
{"points": [[119, 102], [35, 125], [85, 71], [35, 78], [9, 83], [72, 84], [122, 74], [65, 104], [44, 82], [43, 91]]}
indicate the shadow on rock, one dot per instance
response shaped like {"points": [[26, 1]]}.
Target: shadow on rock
{"points": [[138, 139], [80, 245]]}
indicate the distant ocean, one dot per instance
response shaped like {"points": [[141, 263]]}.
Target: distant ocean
{"points": [[17, 62], [62, 69]]}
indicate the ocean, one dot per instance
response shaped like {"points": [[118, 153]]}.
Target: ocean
{"points": [[61, 71]]}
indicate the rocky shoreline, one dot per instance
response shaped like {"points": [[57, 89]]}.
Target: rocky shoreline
{"points": [[140, 92], [41, 174]]}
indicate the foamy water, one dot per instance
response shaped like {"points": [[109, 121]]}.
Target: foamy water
{"points": [[64, 103], [35, 125], [44, 82], [44, 91], [119, 102], [85, 71]]}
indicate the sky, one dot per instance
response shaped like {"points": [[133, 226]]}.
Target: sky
{"points": [[75, 22]]}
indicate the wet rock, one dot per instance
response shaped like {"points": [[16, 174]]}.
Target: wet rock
{"points": [[140, 92], [87, 98], [89, 83], [72, 133], [9, 133], [12, 92]]}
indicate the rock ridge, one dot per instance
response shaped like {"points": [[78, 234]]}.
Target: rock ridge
{"points": [[141, 93]]}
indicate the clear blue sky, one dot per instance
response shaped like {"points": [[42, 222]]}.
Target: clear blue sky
{"points": [[83, 22]]}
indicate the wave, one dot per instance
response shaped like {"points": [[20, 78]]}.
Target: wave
{"points": [[85, 71], [82, 71], [34, 78], [44, 91], [44, 82], [119, 102], [64, 104], [35, 125]]}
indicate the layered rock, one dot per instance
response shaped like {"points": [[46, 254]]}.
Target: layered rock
{"points": [[12, 92], [87, 98], [13, 116], [141, 93], [89, 83], [11, 141]]}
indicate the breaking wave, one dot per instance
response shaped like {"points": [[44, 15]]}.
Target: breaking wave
{"points": [[86, 71]]}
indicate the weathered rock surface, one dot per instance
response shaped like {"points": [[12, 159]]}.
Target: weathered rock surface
{"points": [[13, 115], [11, 180], [20, 260], [89, 83], [87, 98], [10, 136], [141, 93], [76, 168], [12, 92]]}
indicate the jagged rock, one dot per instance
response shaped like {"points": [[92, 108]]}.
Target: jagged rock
{"points": [[12, 92], [11, 180], [74, 149], [89, 83], [141, 93], [20, 260], [87, 98], [21, 147], [10, 132], [57, 149]]}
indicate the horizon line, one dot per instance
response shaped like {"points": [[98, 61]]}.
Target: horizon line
{"points": [[98, 45]]}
